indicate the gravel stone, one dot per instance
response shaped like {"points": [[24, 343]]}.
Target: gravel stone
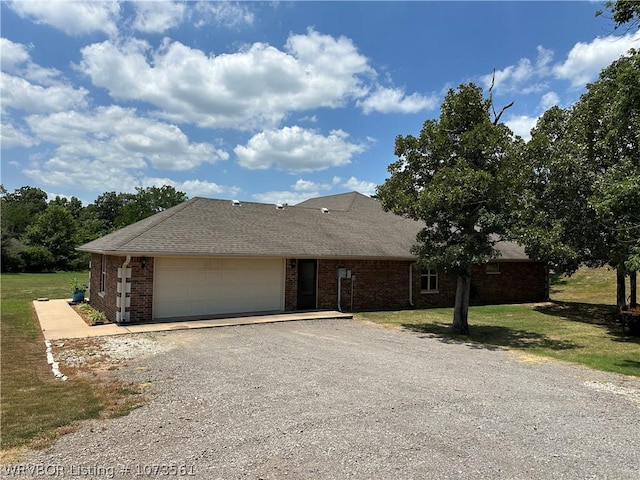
{"points": [[347, 399]]}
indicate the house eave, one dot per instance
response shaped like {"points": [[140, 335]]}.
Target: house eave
{"points": [[123, 253]]}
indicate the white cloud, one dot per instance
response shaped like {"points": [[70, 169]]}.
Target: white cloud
{"points": [[10, 137], [521, 125], [193, 188], [71, 16], [253, 88], [29, 87], [361, 186], [158, 16], [16, 61], [522, 77], [114, 137], [228, 14], [22, 95], [89, 175], [290, 198], [304, 190], [545, 57], [297, 150], [395, 100], [13, 55], [549, 100], [309, 186], [585, 60]]}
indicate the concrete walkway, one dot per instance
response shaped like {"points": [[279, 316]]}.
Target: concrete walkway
{"points": [[58, 320]]}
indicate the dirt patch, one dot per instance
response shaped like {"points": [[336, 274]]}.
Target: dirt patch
{"points": [[98, 361]]}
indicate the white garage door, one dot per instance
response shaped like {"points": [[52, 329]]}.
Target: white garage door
{"points": [[193, 287]]}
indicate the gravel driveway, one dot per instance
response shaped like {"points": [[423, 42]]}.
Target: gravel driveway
{"points": [[347, 399]]}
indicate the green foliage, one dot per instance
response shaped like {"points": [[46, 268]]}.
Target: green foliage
{"points": [[553, 214], [623, 12], [96, 317], [11, 260], [33, 231], [37, 258], [582, 201], [20, 208], [454, 177], [77, 285], [146, 202], [55, 230]]}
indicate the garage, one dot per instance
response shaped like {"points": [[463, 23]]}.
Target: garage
{"points": [[200, 287]]}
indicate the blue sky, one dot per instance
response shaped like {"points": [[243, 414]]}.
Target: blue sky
{"points": [[267, 101]]}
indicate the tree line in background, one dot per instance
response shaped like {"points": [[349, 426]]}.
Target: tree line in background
{"points": [[40, 235], [570, 195]]}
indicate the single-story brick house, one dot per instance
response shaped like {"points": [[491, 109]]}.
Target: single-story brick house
{"points": [[209, 257]]}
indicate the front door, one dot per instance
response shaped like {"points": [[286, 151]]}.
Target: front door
{"points": [[307, 280]]}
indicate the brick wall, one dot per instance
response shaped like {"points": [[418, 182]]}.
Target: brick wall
{"points": [[141, 289], [104, 301], [516, 282], [141, 281], [290, 286], [384, 285], [378, 284]]}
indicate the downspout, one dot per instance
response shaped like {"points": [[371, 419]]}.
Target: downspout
{"points": [[123, 289], [411, 285], [339, 290]]}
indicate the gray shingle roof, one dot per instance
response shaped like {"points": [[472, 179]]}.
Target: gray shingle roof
{"points": [[356, 227]]}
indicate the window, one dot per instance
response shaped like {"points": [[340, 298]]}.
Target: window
{"points": [[429, 281], [103, 274], [493, 268]]}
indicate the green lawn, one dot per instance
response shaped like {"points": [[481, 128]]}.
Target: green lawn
{"points": [[577, 326], [35, 406]]}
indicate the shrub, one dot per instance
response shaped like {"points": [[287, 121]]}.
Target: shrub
{"points": [[96, 317]]}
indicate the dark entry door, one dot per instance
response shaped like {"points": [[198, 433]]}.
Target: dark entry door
{"points": [[307, 279]]}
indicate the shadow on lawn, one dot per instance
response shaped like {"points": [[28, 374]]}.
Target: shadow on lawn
{"points": [[591, 313], [490, 337]]}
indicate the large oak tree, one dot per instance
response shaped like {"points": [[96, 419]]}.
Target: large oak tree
{"points": [[455, 177]]}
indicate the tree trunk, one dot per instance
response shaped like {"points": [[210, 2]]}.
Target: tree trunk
{"points": [[461, 309], [633, 287], [621, 294]]}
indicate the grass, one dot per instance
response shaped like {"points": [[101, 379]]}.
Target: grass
{"points": [[578, 325], [36, 407]]}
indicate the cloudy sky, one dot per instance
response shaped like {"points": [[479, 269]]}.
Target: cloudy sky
{"points": [[273, 101]]}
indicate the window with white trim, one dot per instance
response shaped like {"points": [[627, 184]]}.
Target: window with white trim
{"points": [[429, 281], [103, 274]]}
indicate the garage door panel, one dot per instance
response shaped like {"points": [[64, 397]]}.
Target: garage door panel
{"points": [[200, 287]]}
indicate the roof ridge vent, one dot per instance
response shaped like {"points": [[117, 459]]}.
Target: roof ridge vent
{"points": [[324, 210], [236, 203]]}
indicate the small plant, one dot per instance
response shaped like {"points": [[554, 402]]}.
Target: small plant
{"points": [[77, 286], [94, 317]]}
